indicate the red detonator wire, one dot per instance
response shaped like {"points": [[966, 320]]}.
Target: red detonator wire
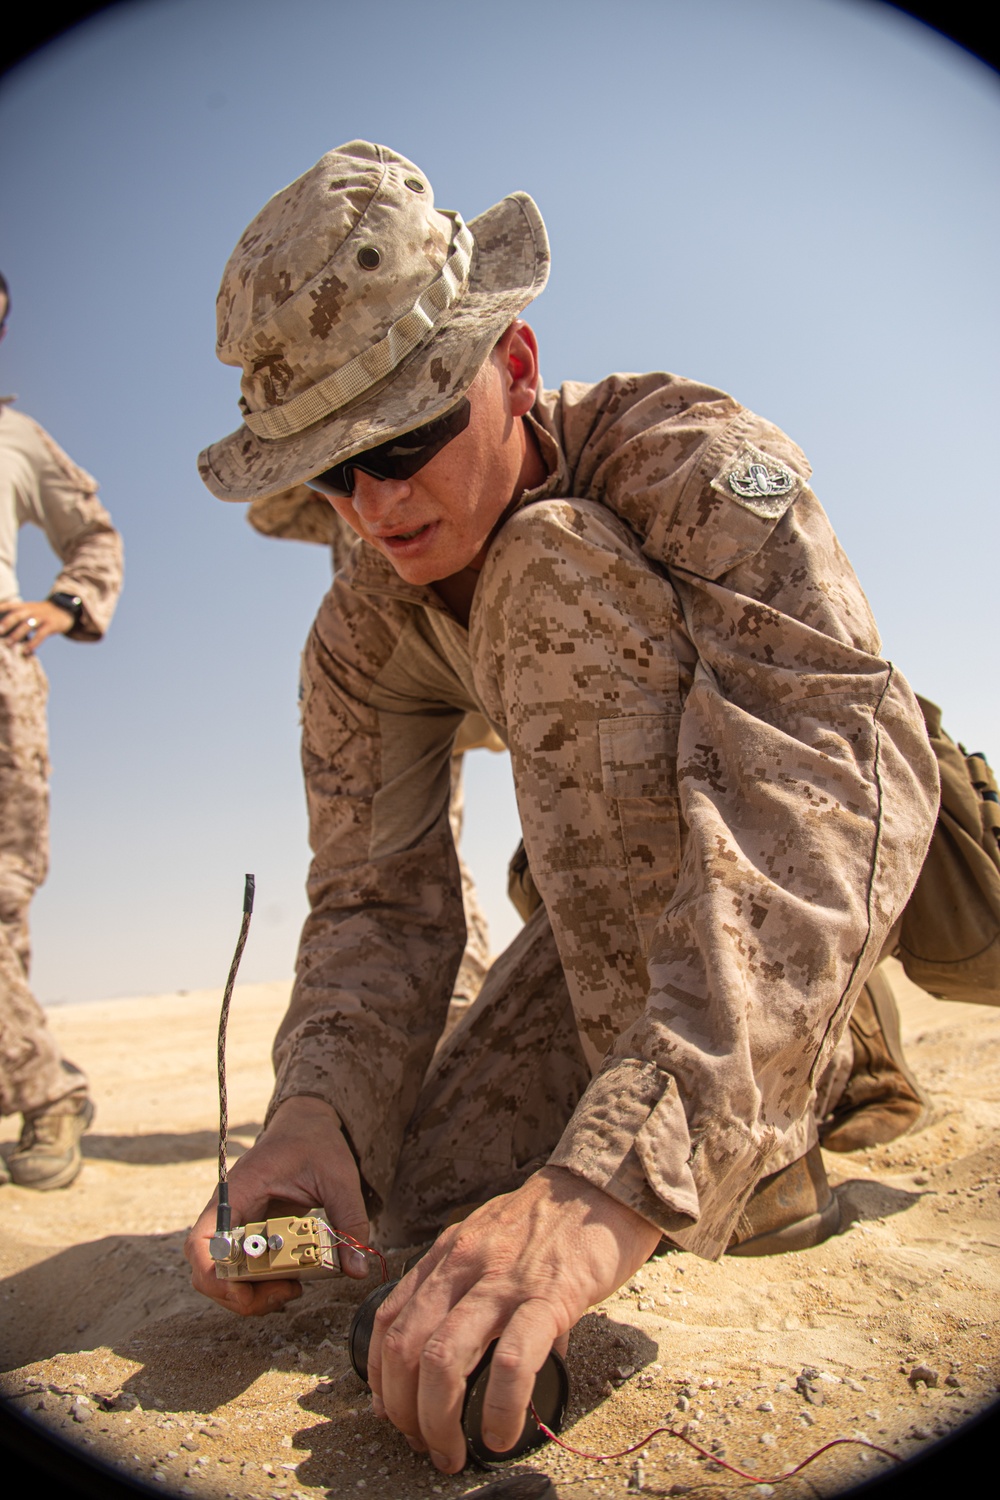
{"points": [[674, 1433], [348, 1239]]}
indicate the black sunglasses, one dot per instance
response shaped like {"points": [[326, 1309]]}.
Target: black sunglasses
{"points": [[398, 458]]}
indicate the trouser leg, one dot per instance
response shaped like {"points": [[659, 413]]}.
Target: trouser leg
{"points": [[497, 1095], [874, 1098], [32, 1072]]}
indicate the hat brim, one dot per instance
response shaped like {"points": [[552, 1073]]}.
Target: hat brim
{"points": [[509, 269]]}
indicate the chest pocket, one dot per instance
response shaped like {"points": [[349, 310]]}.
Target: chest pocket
{"points": [[639, 770]]}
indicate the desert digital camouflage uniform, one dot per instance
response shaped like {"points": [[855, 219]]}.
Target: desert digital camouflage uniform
{"points": [[725, 796], [40, 486], [304, 516]]}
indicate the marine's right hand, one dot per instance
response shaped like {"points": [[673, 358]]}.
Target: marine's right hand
{"points": [[301, 1160]]}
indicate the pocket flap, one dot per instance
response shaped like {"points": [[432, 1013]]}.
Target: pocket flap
{"points": [[639, 755]]}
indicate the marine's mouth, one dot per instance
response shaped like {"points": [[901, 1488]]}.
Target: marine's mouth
{"points": [[391, 538]]}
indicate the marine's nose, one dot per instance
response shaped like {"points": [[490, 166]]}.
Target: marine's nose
{"points": [[374, 500]]}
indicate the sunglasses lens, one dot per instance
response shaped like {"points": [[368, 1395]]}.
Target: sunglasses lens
{"points": [[336, 483], [399, 458]]}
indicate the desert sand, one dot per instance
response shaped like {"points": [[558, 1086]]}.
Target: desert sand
{"points": [[889, 1331]]}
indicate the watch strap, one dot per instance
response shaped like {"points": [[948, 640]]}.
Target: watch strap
{"points": [[71, 603]]}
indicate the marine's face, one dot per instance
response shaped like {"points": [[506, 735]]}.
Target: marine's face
{"points": [[439, 521]]}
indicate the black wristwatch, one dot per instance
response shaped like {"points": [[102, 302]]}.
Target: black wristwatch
{"points": [[71, 603]]}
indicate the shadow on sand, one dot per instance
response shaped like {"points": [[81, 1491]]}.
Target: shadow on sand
{"points": [[158, 1148]]}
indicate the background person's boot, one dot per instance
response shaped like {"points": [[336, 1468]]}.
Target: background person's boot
{"points": [[48, 1153], [882, 1099], [790, 1210]]}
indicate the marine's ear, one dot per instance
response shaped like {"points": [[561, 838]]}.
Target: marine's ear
{"points": [[516, 354]]}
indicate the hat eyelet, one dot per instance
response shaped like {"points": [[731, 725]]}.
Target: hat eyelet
{"points": [[414, 184], [369, 258]]}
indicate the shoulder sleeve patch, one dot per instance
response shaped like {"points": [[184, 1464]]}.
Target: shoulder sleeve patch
{"points": [[758, 482]]}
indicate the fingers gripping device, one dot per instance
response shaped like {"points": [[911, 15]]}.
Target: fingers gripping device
{"points": [[301, 1248]]}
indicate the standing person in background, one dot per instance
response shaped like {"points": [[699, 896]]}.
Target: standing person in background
{"points": [[41, 486]]}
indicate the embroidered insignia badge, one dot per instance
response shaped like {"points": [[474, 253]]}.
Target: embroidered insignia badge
{"points": [[758, 482], [758, 479]]}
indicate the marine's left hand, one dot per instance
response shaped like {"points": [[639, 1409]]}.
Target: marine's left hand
{"points": [[49, 619], [521, 1269]]}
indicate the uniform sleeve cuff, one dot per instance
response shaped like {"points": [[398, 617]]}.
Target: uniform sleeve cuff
{"points": [[629, 1136]]}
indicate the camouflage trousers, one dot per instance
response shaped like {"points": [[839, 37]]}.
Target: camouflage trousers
{"points": [[32, 1071], [497, 1095]]}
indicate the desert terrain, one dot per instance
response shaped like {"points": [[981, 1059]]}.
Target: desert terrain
{"points": [[888, 1332]]}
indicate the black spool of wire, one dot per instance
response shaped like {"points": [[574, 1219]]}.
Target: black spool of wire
{"points": [[549, 1398]]}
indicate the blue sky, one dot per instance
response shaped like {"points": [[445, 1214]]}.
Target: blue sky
{"points": [[795, 200]]}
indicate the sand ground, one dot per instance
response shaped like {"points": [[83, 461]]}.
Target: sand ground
{"points": [[760, 1361]]}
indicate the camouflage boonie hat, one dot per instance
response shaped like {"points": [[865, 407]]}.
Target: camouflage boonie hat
{"points": [[357, 310]]}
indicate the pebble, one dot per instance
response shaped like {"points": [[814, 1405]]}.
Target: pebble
{"points": [[125, 1401], [929, 1376], [768, 1440], [766, 1406], [805, 1387]]}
